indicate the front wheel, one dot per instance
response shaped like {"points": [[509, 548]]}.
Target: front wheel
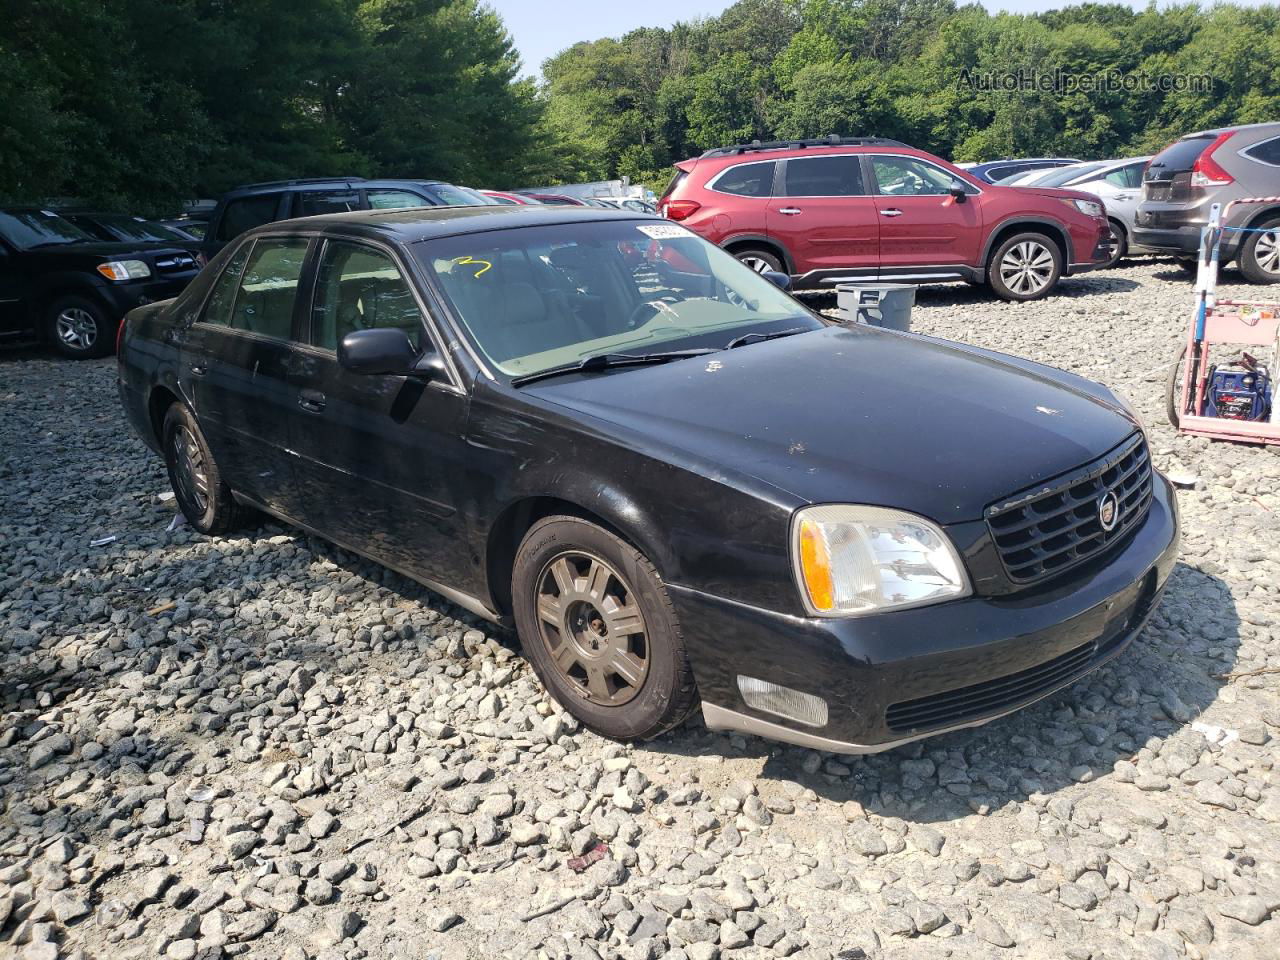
{"points": [[599, 629], [79, 328], [1026, 266], [1260, 255], [1119, 245]]}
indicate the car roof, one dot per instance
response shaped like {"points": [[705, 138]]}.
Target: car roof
{"points": [[1233, 128], [411, 224], [277, 186]]}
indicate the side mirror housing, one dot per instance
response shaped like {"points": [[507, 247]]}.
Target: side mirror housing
{"points": [[384, 350], [958, 191], [780, 280]]}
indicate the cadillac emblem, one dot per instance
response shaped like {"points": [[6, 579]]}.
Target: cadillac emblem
{"points": [[1108, 511]]}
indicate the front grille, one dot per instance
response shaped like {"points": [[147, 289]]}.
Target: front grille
{"points": [[990, 696], [1044, 531], [175, 263]]}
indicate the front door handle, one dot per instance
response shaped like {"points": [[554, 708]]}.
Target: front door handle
{"points": [[311, 400], [198, 370], [1122, 196], [891, 212], [789, 211]]}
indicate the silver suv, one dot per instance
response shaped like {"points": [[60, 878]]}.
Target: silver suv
{"points": [[1216, 166]]}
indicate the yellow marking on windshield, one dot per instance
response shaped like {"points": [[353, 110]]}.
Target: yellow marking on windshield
{"points": [[472, 261]]}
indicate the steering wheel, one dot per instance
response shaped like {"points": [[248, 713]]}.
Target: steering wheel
{"points": [[635, 319]]}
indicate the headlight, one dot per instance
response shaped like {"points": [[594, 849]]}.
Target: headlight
{"points": [[124, 270], [850, 560], [1090, 208], [1128, 407]]}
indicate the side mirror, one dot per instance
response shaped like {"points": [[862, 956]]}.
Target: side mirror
{"points": [[780, 280], [957, 190], [384, 350]]}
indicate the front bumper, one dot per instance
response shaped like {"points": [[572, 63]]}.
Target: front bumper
{"points": [[891, 678], [1099, 252]]}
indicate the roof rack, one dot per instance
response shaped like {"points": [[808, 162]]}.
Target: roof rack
{"points": [[299, 181], [830, 141]]}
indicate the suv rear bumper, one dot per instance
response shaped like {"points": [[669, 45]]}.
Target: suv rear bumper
{"points": [[957, 664]]}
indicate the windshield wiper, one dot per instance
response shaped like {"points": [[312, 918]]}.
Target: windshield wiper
{"points": [[606, 361], [758, 337]]}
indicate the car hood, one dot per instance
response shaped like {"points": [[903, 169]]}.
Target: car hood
{"points": [[106, 251], [1058, 193], [858, 415]]}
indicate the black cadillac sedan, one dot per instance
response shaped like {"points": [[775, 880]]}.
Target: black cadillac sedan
{"points": [[676, 482]]}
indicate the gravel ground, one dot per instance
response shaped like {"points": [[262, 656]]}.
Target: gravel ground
{"points": [[267, 747]]}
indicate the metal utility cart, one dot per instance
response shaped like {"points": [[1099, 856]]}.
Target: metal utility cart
{"points": [[1235, 402]]}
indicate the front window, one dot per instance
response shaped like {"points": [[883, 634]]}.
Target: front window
{"points": [[536, 298], [908, 177], [452, 196], [394, 199], [360, 288], [28, 229]]}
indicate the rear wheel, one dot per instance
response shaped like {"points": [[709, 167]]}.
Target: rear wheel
{"points": [[760, 260], [201, 494], [1026, 266], [599, 629], [1260, 254], [78, 328]]}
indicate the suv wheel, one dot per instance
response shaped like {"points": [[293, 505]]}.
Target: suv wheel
{"points": [[78, 328], [1260, 255], [598, 627], [202, 495], [760, 260], [1026, 266]]}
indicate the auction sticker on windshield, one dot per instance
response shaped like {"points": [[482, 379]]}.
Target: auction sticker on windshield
{"points": [[663, 231]]}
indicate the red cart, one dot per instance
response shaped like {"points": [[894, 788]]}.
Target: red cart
{"points": [[1251, 323]]}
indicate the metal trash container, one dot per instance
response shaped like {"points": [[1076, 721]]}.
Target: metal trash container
{"points": [[885, 305]]}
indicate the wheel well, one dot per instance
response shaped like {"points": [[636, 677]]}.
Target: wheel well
{"points": [[1119, 225], [765, 245], [509, 529], [1049, 230], [158, 404]]}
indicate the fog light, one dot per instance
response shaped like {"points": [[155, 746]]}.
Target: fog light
{"points": [[770, 698]]}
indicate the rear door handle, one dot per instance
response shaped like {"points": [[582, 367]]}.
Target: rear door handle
{"points": [[312, 400], [891, 213], [198, 370], [789, 211]]}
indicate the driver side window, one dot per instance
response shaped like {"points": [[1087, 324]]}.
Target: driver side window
{"points": [[360, 288], [908, 177]]}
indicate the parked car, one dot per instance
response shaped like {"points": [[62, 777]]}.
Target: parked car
{"points": [[628, 203], [187, 226], [259, 203], [1000, 171], [1216, 166], [60, 285], [1118, 183], [509, 199], [673, 478], [829, 211], [122, 228], [556, 199]]}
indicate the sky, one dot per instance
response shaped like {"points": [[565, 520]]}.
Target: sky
{"points": [[542, 28]]}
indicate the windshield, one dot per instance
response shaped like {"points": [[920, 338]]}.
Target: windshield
{"points": [[133, 230], [27, 229], [535, 298], [1060, 175], [452, 196]]}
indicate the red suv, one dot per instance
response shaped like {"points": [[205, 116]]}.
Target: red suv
{"points": [[832, 210]]}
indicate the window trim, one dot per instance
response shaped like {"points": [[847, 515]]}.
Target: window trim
{"points": [[711, 184], [970, 189], [426, 317], [1244, 152], [302, 278]]}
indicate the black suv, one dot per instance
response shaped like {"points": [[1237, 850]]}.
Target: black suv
{"points": [[60, 284], [257, 203]]}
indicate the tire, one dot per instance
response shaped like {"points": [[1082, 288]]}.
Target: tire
{"points": [[201, 494], [611, 652], [1039, 253], [1173, 389], [79, 328], [1119, 245], [760, 260], [1259, 259]]}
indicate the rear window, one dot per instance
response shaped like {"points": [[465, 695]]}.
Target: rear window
{"points": [[247, 213], [1268, 151], [677, 179], [746, 180], [1178, 157]]}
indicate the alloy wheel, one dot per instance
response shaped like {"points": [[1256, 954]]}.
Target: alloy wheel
{"points": [[1027, 267], [592, 628], [77, 328], [190, 469], [1267, 252], [758, 264]]}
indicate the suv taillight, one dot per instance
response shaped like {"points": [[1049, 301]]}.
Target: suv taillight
{"points": [[1206, 172], [120, 333], [680, 209]]}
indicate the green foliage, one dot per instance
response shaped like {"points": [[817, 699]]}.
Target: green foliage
{"points": [[806, 68]]}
